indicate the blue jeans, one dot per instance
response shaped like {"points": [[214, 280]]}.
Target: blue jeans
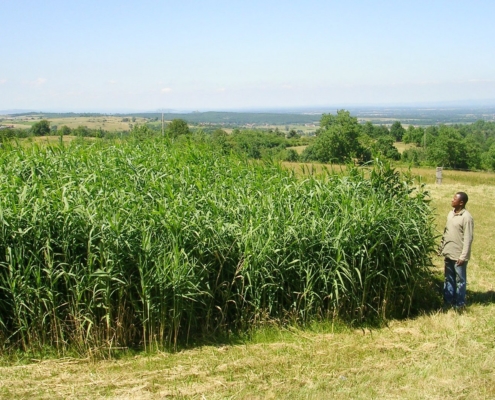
{"points": [[454, 287]]}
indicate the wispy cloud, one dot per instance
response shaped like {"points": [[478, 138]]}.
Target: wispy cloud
{"points": [[112, 82], [2, 81], [166, 90], [221, 90], [480, 81], [37, 82]]}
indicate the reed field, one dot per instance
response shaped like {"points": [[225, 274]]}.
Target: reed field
{"points": [[143, 244], [146, 245]]}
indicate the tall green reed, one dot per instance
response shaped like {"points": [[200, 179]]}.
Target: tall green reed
{"points": [[150, 243]]}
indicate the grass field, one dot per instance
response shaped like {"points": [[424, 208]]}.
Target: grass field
{"points": [[119, 123], [108, 123], [432, 356], [401, 146]]}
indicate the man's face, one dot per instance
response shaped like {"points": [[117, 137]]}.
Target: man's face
{"points": [[456, 201]]}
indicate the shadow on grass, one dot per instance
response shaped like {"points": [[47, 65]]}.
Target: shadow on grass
{"points": [[481, 298], [428, 298]]}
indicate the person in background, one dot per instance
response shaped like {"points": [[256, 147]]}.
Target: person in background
{"points": [[456, 248]]}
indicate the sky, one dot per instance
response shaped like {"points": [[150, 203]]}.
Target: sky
{"points": [[220, 55]]}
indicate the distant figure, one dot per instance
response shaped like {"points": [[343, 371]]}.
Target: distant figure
{"points": [[456, 248]]}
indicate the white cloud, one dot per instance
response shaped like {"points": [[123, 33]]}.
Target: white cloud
{"points": [[479, 81], [166, 90], [2, 81], [112, 82], [37, 82]]}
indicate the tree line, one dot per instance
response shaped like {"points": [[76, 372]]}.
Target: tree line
{"points": [[470, 146], [340, 138]]}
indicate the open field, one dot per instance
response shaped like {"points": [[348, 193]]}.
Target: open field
{"points": [[401, 146], [432, 356], [108, 123]]}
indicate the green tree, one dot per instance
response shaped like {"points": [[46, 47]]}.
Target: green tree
{"points": [[41, 128], [6, 134], [291, 156], [141, 132], [64, 130], [473, 152], [220, 137], [292, 134], [414, 135], [374, 131], [178, 127], [82, 131], [337, 140], [448, 149], [397, 131], [488, 158], [385, 146]]}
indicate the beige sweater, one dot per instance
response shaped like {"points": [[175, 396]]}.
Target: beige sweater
{"points": [[458, 235]]}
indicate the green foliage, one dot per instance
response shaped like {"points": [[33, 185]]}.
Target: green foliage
{"points": [[489, 158], [337, 140], [374, 131], [83, 131], [414, 135], [414, 157], [41, 128], [256, 143], [153, 242], [64, 130], [385, 146], [141, 132], [177, 127], [454, 146], [291, 156], [7, 134], [397, 131], [448, 149]]}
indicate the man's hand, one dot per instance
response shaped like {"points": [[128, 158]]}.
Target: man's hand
{"points": [[460, 261]]}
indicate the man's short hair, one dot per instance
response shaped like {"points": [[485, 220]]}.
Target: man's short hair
{"points": [[463, 197]]}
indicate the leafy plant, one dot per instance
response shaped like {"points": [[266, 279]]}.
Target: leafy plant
{"points": [[151, 242]]}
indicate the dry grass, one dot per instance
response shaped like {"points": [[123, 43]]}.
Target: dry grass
{"points": [[434, 356], [401, 146], [298, 149], [108, 123], [54, 139]]}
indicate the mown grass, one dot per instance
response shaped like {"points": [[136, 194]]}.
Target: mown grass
{"points": [[434, 356]]}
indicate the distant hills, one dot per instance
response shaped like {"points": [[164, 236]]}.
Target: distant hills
{"points": [[425, 115], [14, 111]]}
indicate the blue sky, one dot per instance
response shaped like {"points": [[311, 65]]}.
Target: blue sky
{"points": [[223, 55]]}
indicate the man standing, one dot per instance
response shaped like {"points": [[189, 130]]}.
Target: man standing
{"points": [[456, 248]]}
